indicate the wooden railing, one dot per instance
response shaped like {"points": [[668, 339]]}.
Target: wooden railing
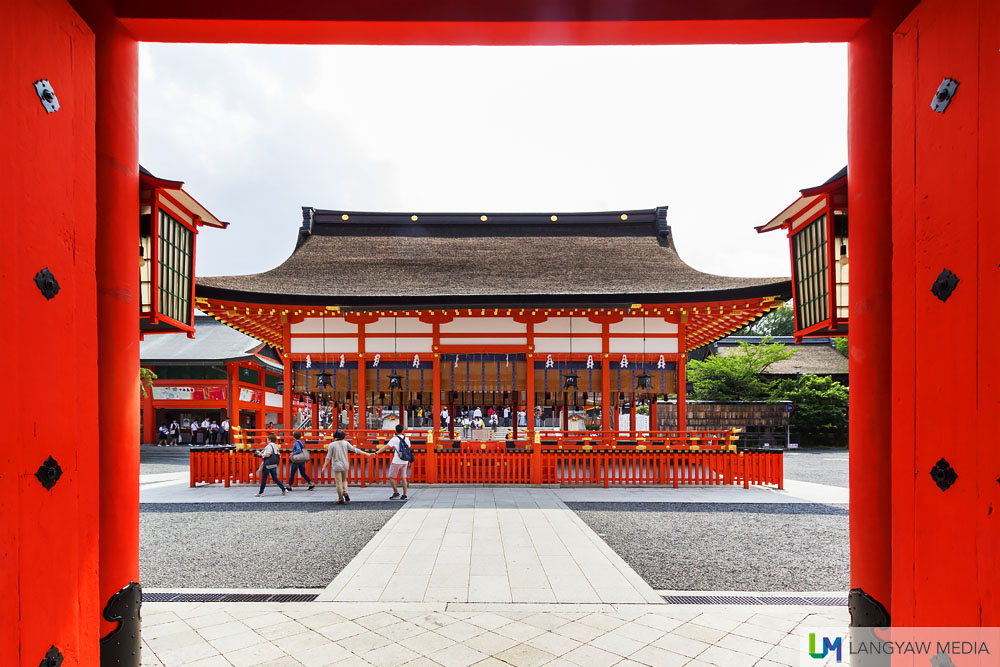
{"points": [[567, 459]]}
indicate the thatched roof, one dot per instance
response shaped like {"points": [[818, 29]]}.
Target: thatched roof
{"points": [[453, 260], [815, 356]]}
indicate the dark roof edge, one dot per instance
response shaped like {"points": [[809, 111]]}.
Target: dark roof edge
{"points": [[312, 216], [781, 289]]}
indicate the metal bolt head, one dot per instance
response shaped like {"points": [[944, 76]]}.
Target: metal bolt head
{"points": [[47, 283], [944, 284], [943, 475], [49, 473]]}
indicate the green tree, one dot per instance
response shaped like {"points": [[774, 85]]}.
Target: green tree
{"points": [[841, 344], [778, 322], [737, 377], [820, 404]]}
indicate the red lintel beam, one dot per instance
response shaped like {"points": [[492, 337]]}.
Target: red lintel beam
{"points": [[516, 22]]}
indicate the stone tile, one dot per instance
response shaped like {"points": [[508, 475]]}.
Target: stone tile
{"points": [[353, 661], [280, 630], [286, 661], [525, 655], [579, 631], [759, 633], [614, 643], [265, 619], [223, 629], [303, 640], [400, 631], [254, 655], [602, 621], [519, 630], [161, 617], [638, 632], [699, 632], [236, 642], [490, 643], [724, 657], [532, 595], [164, 629], [773, 622], [679, 644], [460, 631], [323, 619], [321, 656], [366, 641], [390, 656], [553, 643], [434, 620], [428, 642], [488, 620], [457, 655], [213, 661], [174, 640], [591, 656], [487, 662], [661, 623], [186, 654], [446, 594], [545, 621], [718, 621], [746, 645], [341, 630], [783, 655], [651, 655], [376, 620]]}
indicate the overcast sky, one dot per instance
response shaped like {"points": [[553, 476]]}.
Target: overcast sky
{"points": [[723, 135]]}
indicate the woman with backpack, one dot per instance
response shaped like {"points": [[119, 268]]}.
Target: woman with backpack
{"points": [[272, 457], [336, 457]]}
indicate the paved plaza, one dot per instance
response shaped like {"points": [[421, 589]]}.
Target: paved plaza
{"points": [[476, 576]]}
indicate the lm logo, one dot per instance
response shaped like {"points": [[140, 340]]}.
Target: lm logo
{"points": [[828, 646]]}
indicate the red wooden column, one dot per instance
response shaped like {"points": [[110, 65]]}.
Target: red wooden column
{"points": [[682, 373], [286, 367], [362, 381], [529, 379], [607, 419], [432, 468], [869, 133], [116, 131], [150, 428]]}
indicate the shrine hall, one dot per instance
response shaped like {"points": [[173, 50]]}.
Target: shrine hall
{"points": [[552, 321]]}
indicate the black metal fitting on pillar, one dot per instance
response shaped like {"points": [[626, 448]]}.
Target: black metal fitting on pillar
{"points": [[943, 475], [866, 611], [53, 658], [944, 284], [49, 473], [121, 647]]}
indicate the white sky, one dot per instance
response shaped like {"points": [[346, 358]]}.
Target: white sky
{"points": [[723, 135]]}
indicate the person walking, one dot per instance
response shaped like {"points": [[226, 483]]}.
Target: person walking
{"points": [[175, 432], [164, 434], [338, 462], [298, 467], [269, 468], [400, 466]]}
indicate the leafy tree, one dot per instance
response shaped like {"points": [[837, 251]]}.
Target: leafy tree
{"points": [[841, 344], [820, 404], [146, 378], [737, 377], [778, 322]]}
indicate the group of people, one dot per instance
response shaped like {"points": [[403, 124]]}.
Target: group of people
{"points": [[475, 419], [336, 461], [211, 433]]}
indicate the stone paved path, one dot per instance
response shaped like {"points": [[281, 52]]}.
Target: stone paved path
{"points": [[316, 634], [488, 545]]}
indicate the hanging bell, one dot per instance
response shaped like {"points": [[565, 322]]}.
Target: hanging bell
{"points": [[324, 380], [644, 381], [395, 381], [570, 381]]}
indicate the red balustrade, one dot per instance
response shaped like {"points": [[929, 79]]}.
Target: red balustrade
{"points": [[575, 458]]}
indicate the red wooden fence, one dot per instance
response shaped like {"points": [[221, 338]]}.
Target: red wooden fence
{"points": [[704, 459]]}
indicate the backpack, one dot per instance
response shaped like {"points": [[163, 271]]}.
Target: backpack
{"points": [[403, 449]]}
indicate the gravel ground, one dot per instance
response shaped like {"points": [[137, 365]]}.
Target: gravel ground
{"points": [[252, 545], [738, 547], [824, 466]]}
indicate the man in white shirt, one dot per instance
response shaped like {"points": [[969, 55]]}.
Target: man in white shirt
{"points": [[445, 418], [224, 427], [477, 413], [399, 467], [506, 415]]}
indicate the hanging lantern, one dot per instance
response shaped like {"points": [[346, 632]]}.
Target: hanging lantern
{"points": [[570, 381], [644, 381], [279, 386], [395, 381], [324, 380]]}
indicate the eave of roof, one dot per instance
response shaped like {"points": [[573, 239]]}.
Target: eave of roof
{"points": [[176, 190], [354, 260], [806, 202]]}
